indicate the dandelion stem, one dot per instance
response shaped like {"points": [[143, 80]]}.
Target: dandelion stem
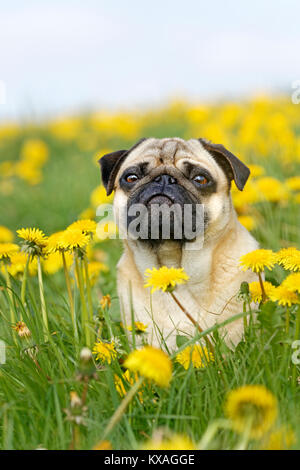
{"points": [[189, 316], [245, 436], [122, 407], [88, 291], [251, 315], [84, 391], [10, 296], [42, 297], [263, 292], [297, 335], [245, 318], [24, 281], [287, 321], [84, 313], [209, 330], [75, 444], [71, 300], [211, 431], [297, 331], [132, 318]]}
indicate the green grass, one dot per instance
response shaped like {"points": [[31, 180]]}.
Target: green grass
{"points": [[34, 394]]}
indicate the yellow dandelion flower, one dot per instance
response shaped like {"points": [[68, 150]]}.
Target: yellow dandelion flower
{"points": [[28, 172], [165, 278], [271, 189], [7, 249], [7, 169], [128, 378], [103, 445], [247, 221], [34, 242], [99, 197], [255, 290], [169, 442], [54, 242], [151, 363], [289, 258], [52, 263], [33, 235], [292, 282], [73, 238], [105, 351], [119, 382], [139, 327], [105, 301], [22, 330], [65, 128], [6, 235], [284, 296], [293, 183], [35, 151], [18, 262], [9, 130], [280, 439], [242, 200], [256, 170], [254, 406], [197, 355], [86, 225], [258, 260], [94, 270], [88, 213]]}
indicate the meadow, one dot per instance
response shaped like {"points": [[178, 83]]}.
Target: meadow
{"points": [[69, 376]]}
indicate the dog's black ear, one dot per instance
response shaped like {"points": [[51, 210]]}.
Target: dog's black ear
{"points": [[110, 164], [231, 165]]}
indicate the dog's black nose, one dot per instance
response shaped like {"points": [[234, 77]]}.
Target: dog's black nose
{"points": [[165, 179]]}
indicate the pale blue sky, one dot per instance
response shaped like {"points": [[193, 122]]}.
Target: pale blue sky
{"points": [[65, 55]]}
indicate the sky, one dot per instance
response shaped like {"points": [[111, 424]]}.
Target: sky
{"points": [[65, 56]]}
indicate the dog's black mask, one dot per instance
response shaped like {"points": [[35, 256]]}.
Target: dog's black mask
{"points": [[161, 210]]}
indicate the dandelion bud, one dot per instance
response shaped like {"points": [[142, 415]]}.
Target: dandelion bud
{"points": [[77, 411], [86, 369], [75, 400], [86, 355], [105, 301], [244, 289]]}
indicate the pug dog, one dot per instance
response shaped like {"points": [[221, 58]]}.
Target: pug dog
{"points": [[187, 174]]}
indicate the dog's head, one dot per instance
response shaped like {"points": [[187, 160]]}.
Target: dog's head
{"points": [[172, 175]]}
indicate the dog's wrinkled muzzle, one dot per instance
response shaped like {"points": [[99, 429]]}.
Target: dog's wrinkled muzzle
{"points": [[163, 189], [158, 190], [165, 185]]}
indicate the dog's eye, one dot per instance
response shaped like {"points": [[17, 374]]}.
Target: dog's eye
{"points": [[200, 179], [131, 178]]}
